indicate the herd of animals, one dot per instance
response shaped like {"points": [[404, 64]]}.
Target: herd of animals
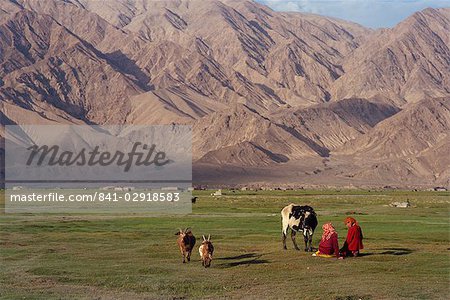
{"points": [[297, 218]]}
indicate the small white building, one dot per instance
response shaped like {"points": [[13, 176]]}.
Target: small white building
{"points": [[106, 188], [170, 188], [217, 193], [401, 204]]}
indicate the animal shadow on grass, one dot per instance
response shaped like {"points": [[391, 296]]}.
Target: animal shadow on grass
{"points": [[396, 251], [244, 259], [353, 297], [388, 251]]}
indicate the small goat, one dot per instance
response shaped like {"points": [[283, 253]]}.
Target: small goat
{"points": [[206, 251], [186, 242]]}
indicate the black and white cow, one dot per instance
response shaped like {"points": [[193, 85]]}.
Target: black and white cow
{"points": [[298, 219]]}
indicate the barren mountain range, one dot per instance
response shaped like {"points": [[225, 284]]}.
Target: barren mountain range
{"points": [[274, 98]]}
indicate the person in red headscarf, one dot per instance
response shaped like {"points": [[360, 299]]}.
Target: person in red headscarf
{"points": [[353, 242], [329, 245]]}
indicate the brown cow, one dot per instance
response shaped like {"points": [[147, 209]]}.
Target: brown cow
{"points": [[186, 242], [206, 251]]}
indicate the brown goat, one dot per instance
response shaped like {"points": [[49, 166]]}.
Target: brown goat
{"points": [[186, 242], [206, 251]]}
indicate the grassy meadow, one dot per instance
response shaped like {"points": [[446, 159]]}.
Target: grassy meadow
{"points": [[406, 255]]}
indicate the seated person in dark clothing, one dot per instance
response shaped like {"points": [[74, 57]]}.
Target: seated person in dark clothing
{"points": [[353, 242], [328, 246]]}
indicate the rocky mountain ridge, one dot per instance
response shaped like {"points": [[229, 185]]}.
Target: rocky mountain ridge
{"points": [[320, 99]]}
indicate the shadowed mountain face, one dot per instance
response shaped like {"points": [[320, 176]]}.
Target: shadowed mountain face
{"points": [[272, 97]]}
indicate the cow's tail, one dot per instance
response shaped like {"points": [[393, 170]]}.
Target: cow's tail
{"points": [[285, 213], [284, 225]]}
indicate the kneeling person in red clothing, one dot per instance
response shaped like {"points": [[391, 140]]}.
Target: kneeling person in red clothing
{"points": [[328, 246], [353, 242]]}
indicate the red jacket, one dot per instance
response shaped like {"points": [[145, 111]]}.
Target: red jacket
{"points": [[330, 246], [354, 238]]}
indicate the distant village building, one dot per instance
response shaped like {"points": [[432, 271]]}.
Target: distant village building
{"points": [[200, 187], [118, 188], [401, 204], [170, 188], [266, 188], [105, 188]]}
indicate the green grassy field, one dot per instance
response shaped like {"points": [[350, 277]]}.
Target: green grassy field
{"points": [[407, 254]]}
